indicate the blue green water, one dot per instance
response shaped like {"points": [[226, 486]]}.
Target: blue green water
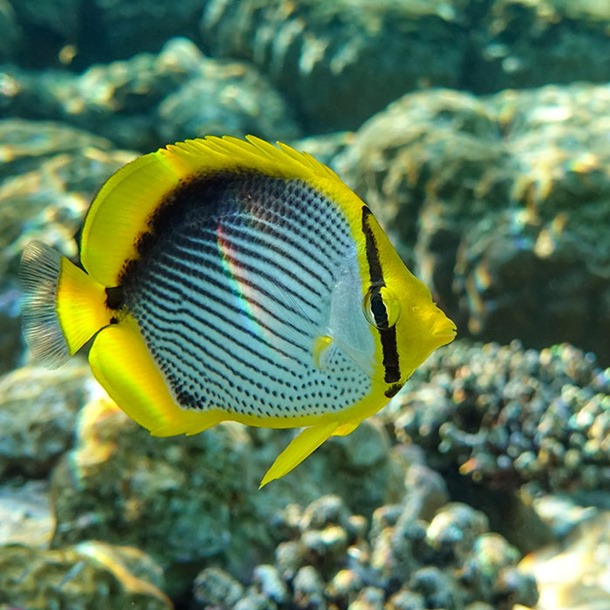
{"points": [[478, 134]]}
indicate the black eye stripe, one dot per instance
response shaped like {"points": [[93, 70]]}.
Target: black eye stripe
{"points": [[389, 347], [379, 310]]}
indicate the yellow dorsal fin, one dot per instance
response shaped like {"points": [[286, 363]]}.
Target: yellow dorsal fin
{"points": [[122, 209], [119, 214]]}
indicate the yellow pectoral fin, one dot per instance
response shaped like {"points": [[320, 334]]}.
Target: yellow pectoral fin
{"points": [[298, 449], [123, 365]]}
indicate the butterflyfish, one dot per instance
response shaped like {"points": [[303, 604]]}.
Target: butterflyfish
{"points": [[227, 279]]}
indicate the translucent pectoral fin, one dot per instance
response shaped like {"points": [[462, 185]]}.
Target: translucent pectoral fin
{"points": [[299, 448]]}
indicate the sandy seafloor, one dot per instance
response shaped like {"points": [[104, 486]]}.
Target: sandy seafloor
{"points": [[478, 132]]}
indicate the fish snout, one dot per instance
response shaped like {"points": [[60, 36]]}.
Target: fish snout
{"points": [[443, 328]]}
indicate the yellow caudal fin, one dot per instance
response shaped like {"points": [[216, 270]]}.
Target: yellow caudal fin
{"points": [[123, 365], [62, 306], [299, 448]]}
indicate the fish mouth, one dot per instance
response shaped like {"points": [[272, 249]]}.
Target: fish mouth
{"points": [[444, 330]]}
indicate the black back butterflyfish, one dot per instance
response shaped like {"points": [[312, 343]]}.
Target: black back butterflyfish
{"points": [[227, 279]]}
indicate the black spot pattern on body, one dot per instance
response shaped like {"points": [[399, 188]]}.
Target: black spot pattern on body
{"points": [[210, 360]]}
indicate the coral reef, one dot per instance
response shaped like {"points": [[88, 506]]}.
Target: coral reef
{"points": [[202, 489], [478, 133], [505, 416], [337, 62], [88, 575], [328, 557], [149, 99], [25, 514], [38, 408], [575, 573]]}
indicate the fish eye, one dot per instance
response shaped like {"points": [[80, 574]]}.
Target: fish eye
{"points": [[381, 307]]}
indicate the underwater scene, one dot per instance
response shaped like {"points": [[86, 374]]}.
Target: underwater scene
{"points": [[305, 304]]}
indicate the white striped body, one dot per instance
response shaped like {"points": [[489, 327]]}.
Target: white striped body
{"points": [[248, 294]]}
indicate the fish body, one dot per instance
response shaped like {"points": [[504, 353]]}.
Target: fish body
{"points": [[226, 279]]}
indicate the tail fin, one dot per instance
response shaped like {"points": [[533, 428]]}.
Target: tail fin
{"points": [[62, 306]]}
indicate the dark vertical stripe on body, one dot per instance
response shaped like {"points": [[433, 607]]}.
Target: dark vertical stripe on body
{"points": [[389, 347]]}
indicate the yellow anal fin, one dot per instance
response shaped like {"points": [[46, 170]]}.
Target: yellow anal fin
{"points": [[298, 449], [346, 429], [196, 422], [123, 365]]}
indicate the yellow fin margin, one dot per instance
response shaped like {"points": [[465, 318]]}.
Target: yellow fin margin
{"points": [[123, 207], [119, 213], [120, 361]]}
